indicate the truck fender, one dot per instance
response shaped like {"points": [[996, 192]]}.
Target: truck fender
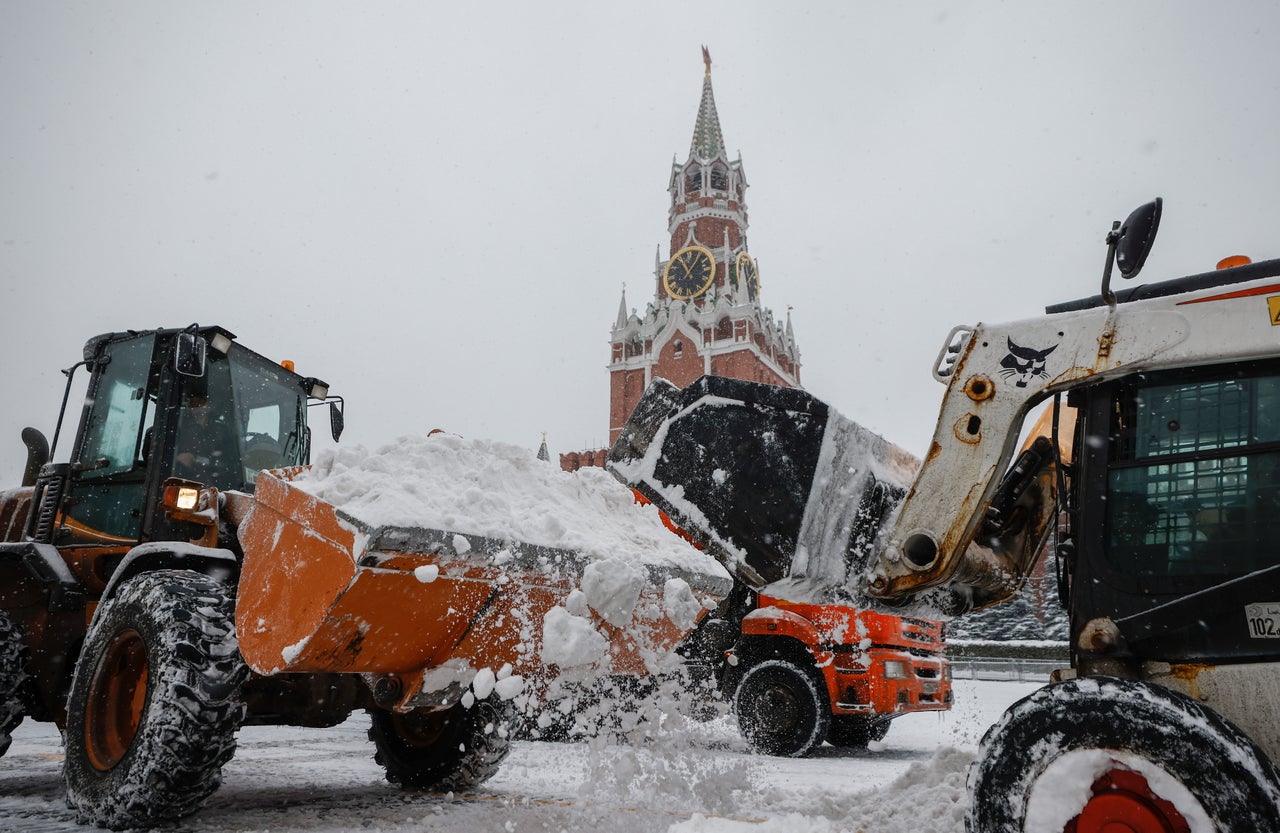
{"points": [[218, 564], [774, 621], [44, 564], [770, 623]]}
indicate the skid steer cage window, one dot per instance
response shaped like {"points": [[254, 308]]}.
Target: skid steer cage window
{"points": [[1194, 476]]}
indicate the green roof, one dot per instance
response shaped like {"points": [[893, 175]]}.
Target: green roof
{"points": [[708, 142]]}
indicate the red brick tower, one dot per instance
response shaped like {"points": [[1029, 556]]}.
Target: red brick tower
{"points": [[706, 316]]}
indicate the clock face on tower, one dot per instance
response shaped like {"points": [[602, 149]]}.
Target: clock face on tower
{"points": [[689, 272], [748, 275]]}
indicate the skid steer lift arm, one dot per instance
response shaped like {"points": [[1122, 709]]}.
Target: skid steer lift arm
{"points": [[941, 536], [967, 524]]}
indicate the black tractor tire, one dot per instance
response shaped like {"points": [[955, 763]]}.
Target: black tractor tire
{"points": [[13, 675], [442, 751], [154, 704], [782, 708], [855, 731], [1235, 783]]}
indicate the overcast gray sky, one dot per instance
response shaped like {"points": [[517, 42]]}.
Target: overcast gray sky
{"points": [[434, 206]]}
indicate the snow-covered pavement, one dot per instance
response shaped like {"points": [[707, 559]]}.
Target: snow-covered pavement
{"points": [[700, 779]]}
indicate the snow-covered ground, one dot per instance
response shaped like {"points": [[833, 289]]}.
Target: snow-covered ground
{"points": [[697, 779]]}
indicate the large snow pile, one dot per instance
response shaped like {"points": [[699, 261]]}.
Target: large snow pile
{"points": [[499, 491]]}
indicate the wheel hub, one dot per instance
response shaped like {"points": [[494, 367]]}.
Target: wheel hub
{"points": [[421, 728], [117, 699], [779, 709], [1123, 802]]}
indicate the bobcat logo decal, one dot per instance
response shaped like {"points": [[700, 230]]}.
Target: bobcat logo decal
{"points": [[1024, 363]]}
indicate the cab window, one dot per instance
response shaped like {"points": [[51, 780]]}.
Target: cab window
{"points": [[246, 415], [120, 410], [1194, 476]]}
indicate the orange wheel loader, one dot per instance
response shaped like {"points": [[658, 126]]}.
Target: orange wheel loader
{"points": [[170, 582]]}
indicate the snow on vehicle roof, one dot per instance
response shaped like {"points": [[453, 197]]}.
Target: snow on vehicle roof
{"points": [[501, 491]]}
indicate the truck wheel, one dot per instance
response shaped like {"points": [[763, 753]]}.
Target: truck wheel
{"points": [[855, 731], [154, 705], [456, 749], [1130, 755], [782, 709], [13, 673]]}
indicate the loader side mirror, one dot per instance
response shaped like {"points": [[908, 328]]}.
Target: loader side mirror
{"points": [[189, 354], [1136, 236], [336, 420]]}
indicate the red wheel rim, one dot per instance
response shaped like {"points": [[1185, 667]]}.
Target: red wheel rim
{"points": [[1123, 802], [117, 698]]}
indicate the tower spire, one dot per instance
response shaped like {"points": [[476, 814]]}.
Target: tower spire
{"points": [[708, 142], [622, 310]]}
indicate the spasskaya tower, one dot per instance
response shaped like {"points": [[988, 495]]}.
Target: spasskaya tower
{"points": [[706, 316]]}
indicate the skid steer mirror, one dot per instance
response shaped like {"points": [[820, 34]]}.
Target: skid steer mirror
{"points": [[189, 354], [336, 420], [1136, 236]]}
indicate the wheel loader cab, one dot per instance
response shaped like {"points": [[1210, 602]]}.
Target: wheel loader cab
{"points": [[1178, 495], [153, 412], [245, 415]]}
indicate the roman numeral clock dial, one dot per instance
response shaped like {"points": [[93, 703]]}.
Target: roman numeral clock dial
{"points": [[689, 272]]}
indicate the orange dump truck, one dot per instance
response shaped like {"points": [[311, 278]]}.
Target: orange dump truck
{"points": [[800, 673], [185, 571], [786, 494]]}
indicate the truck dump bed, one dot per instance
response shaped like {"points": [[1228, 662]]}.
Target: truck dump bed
{"points": [[781, 488]]}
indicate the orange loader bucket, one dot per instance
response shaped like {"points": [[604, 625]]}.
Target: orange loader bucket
{"points": [[321, 592]]}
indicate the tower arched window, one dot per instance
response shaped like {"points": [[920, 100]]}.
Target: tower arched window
{"points": [[693, 179], [719, 178], [678, 350]]}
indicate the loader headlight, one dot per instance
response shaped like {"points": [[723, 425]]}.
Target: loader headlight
{"points": [[182, 495], [895, 670], [315, 388], [186, 498]]}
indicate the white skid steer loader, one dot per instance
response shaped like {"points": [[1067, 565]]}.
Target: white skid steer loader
{"points": [[1159, 477]]}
